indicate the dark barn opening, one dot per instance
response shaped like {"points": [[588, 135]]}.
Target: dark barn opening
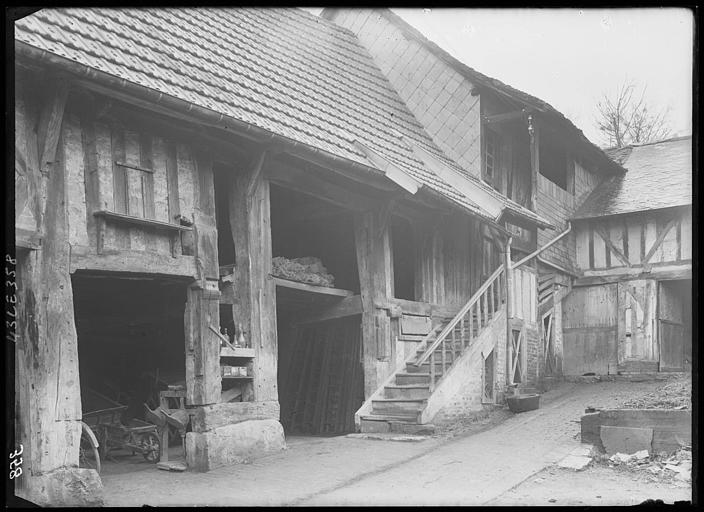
{"points": [[403, 250], [320, 376], [130, 345]]}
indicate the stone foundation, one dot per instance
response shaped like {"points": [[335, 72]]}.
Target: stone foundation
{"points": [[233, 444], [64, 487]]}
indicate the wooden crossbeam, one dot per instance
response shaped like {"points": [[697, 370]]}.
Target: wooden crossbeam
{"points": [[611, 247], [514, 115], [658, 241]]}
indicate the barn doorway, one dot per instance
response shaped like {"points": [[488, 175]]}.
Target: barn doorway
{"points": [[131, 348], [320, 377]]}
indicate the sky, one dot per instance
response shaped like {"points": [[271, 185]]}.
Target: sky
{"points": [[571, 57]]}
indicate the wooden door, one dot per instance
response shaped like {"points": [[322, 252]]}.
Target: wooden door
{"points": [[673, 313], [637, 338], [671, 346], [589, 330]]}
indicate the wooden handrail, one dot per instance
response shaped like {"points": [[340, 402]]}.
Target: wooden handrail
{"points": [[461, 313]]}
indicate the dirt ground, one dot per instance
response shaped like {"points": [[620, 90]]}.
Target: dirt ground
{"points": [[492, 458], [595, 486]]}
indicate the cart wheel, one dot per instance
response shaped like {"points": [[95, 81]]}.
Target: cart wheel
{"points": [[149, 443], [88, 456]]}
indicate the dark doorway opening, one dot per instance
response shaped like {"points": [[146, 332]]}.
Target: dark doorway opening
{"points": [[403, 250], [131, 346], [320, 377]]}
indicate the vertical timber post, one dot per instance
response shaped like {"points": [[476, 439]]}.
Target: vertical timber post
{"points": [[534, 134], [203, 384], [255, 293], [372, 243]]}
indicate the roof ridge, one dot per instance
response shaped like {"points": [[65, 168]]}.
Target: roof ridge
{"points": [[671, 139]]}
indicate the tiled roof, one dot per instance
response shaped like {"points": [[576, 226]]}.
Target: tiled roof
{"points": [[282, 70], [480, 79], [659, 175]]}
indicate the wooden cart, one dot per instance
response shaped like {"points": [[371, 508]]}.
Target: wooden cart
{"points": [[106, 422]]}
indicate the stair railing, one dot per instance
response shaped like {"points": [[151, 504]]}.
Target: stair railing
{"points": [[482, 305]]}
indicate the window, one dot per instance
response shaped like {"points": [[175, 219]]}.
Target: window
{"points": [[555, 165], [490, 155]]}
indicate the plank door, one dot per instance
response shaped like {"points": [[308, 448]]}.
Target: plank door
{"points": [[671, 347], [590, 330], [671, 324], [637, 337]]}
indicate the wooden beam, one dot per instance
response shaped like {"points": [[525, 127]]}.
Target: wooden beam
{"points": [[255, 173], [50, 120], [348, 306], [392, 171], [682, 270], [309, 288], [84, 258], [611, 247], [516, 115], [658, 240], [312, 184], [534, 134]]}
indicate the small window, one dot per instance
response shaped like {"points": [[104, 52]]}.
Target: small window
{"points": [[555, 166], [490, 154]]}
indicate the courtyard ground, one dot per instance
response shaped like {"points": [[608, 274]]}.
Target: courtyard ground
{"points": [[497, 458]]}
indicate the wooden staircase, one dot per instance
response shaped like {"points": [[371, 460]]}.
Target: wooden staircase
{"points": [[398, 405]]}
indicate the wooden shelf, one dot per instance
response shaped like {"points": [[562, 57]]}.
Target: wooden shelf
{"points": [[131, 219], [310, 288], [237, 377], [237, 352]]}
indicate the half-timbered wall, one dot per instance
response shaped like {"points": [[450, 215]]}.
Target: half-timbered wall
{"points": [[557, 205], [655, 238], [115, 167]]}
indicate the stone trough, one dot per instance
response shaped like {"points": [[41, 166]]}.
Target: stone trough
{"points": [[631, 430]]}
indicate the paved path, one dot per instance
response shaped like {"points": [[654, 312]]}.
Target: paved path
{"points": [[346, 471]]}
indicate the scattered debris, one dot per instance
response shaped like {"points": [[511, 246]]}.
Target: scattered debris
{"points": [[675, 467], [673, 395]]}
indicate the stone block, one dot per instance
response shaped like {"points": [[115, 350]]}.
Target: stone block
{"points": [[64, 487], [233, 444], [626, 439], [576, 462], [210, 417]]}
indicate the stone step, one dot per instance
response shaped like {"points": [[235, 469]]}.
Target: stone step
{"points": [[379, 424], [408, 408], [412, 378], [413, 391]]}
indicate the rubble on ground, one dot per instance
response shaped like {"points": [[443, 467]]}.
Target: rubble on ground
{"points": [[308, 269], [676, 466], [673, 395]]}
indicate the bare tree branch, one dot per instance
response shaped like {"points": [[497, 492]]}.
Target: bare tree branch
{"points": [[623, 119]]}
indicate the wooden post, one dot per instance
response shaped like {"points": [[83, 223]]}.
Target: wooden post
{"points": [[534, 161], [255, 292], [47, 349], [203, 383], [373, 249], [508, 271]]}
